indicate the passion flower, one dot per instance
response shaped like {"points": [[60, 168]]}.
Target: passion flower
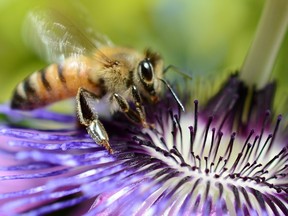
{"points": [[224, 156], [188, 163]]}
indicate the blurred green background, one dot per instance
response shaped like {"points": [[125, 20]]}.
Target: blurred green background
{"points": [[203, 37]]}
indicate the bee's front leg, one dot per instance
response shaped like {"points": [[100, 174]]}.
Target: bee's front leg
{"points": [[137, 116], [89, 118]]}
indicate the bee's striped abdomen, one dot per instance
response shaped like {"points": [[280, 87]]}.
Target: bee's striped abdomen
{"points": [[54, 83]]}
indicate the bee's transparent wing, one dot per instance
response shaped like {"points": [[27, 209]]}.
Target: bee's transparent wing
{"points": [[54, 37]]}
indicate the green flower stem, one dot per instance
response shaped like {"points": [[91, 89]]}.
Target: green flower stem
{"points": [[261, 57]]}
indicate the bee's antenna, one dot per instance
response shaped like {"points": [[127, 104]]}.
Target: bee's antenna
{"points": [[173, 94], [176, 69]]}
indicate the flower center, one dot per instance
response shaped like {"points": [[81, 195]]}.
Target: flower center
{"points": [[204, 161]]}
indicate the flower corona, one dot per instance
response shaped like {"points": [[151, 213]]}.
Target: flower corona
{"points": [[188, 163]]}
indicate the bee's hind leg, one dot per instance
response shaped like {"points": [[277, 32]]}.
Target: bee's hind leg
{"points": [[137, 116], [89, 118]]}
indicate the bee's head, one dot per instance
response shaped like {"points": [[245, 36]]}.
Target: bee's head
{"points": [[149, 70]]}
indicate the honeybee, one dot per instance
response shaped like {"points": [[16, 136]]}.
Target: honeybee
{"points": [[90, 68]]}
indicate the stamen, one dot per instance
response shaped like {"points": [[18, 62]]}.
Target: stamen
{"points": [[279, 118], [255, 170], [253, 145], [164, 143], [195, 117], [174, 128], [233, 167], [224, 169], [274, 158], [180, 130], [220, 134], [248, 138], [199, 159], [230, 146], [246, 154], [224, 165], [284, 168], [268, 138], [206, 134], [247, 166], [264, 124], [206, 165], [212, 142], [211, 165], [191, 129], [220, 159], [194, 158], [178, 154]]}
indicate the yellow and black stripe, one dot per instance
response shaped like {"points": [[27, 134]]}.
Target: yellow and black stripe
{"points": [[51, 84]]}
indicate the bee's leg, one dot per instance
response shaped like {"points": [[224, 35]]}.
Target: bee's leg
{"points": [[89, 118], [137, 116], [139, 106]]}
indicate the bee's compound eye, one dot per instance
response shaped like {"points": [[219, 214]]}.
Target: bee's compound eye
{"points": [[145, 70]]}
